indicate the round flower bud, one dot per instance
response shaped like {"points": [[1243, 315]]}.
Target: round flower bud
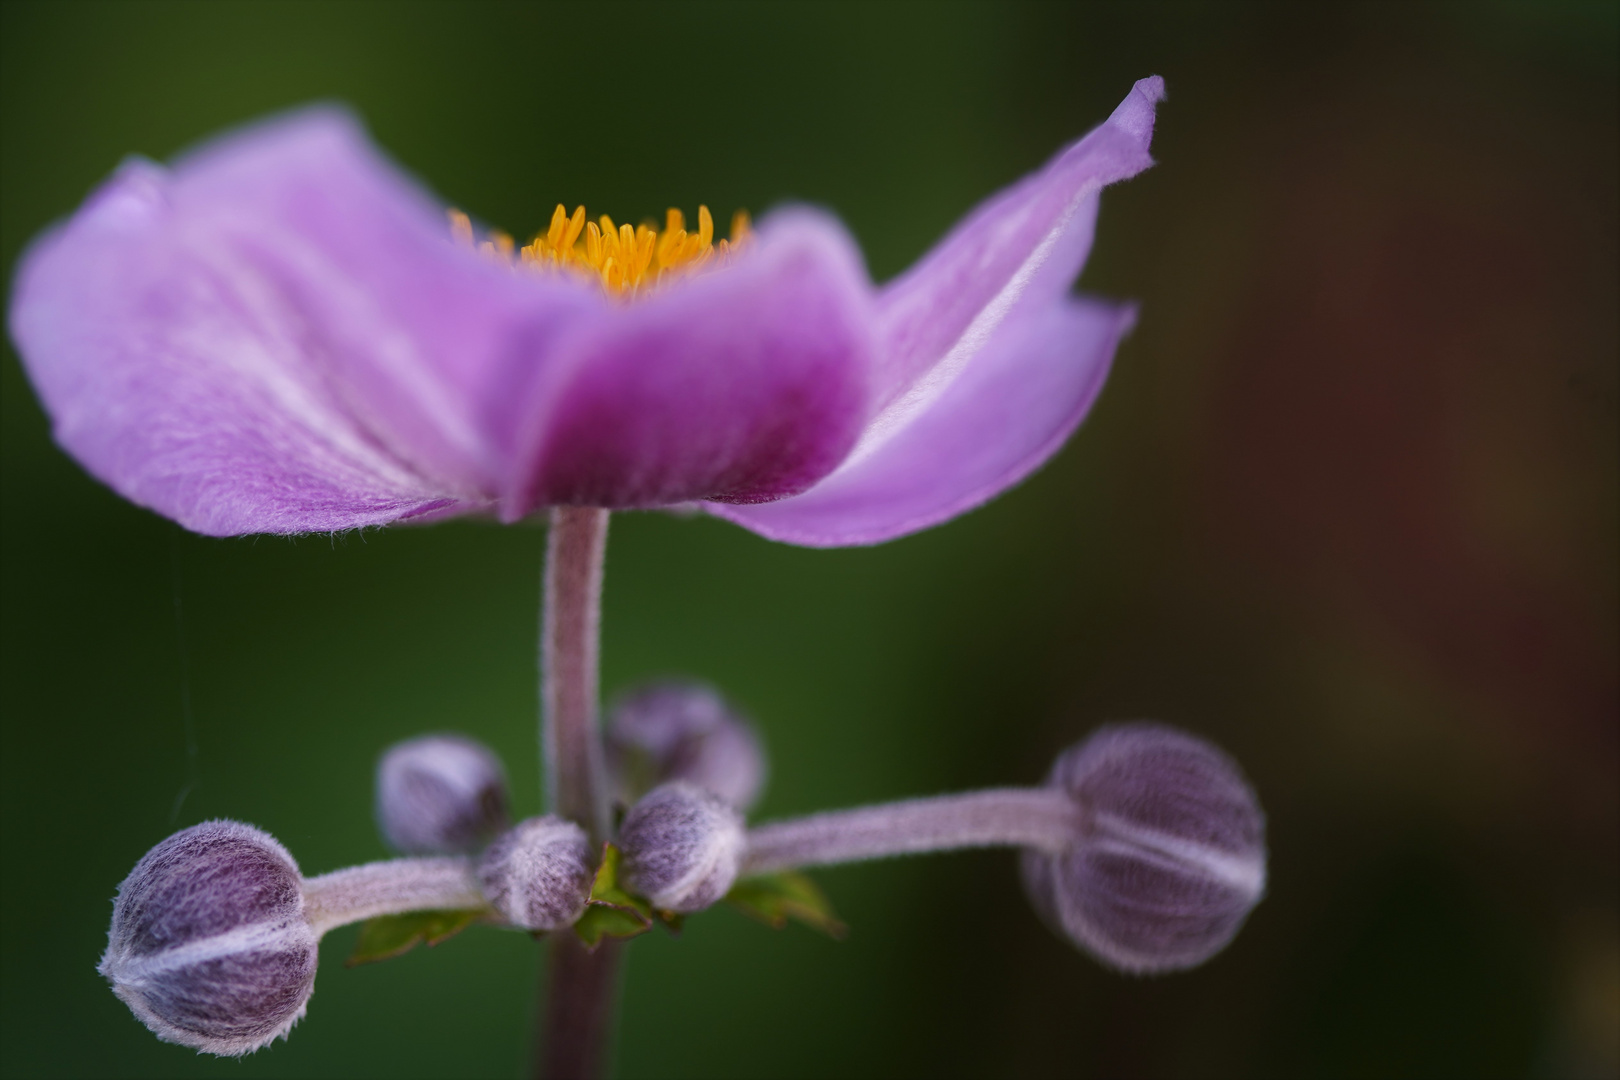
{"points": [[440, 795], [538, 874], [681, 847], [209, 945], [682, 731], [1170, 855]]}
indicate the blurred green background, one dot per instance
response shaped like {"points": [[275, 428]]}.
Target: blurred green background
{"points": [[1347, 507]]}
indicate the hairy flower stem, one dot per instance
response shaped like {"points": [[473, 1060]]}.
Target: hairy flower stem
{"points": [[570, 744], [579, 1003], [1041, 818], [578, 1013], [390, 888]]}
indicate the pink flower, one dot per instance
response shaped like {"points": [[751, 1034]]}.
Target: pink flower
{"points": [[279, 334]]}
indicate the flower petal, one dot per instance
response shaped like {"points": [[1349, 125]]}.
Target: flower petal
{"points": [[1024, 246], [278, 336], [1005, 415], [985, 368], [744, 384]]}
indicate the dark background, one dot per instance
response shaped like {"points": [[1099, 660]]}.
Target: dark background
{"points": [[1347, 507]]}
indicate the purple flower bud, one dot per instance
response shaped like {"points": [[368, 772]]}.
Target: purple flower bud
{"points": [[209, 945], [682, 731], [538, 874], [682, 846], [1170, 856], [440, 795]]}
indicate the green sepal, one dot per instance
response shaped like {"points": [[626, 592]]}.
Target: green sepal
{"points": [[609, 920], [773, 899], [612, 912], [388, 936]]}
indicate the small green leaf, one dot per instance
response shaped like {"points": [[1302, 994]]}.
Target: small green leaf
{"points": [[605, 889], [612, 912], [388, 936], [609, 920], [773, 899]]}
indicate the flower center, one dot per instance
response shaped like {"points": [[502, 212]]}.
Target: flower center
{"points": [[626, 260]]}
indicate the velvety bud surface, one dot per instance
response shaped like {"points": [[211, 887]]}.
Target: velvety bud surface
{"points": [[538, 874], [209, 945], [1170, 856], [682, 847], [682, 731], [440, 795]]}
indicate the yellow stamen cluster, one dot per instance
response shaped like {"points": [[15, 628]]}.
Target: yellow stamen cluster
{"points": [[626, 260]]}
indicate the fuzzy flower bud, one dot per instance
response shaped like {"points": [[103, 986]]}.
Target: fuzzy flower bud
{"points": [[1170, 856], [682, 846], [682, 731], [209, 945], [440, 794], [538, 874]]}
